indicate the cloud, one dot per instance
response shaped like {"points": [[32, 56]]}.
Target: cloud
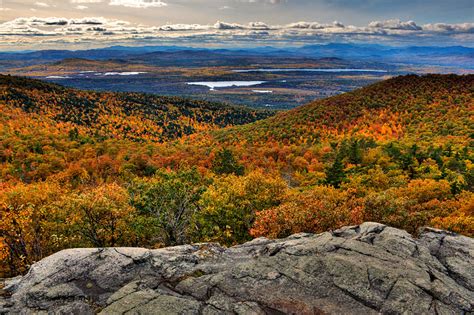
{"points": [[314, 25], [395, 25], [86, 1], [222, 26], [138, 3], [265, 1], [182, 27], [450, 28], [41, 4], [95, 21], [228, 26], [103, 31], [81, 7], [258, 26]]}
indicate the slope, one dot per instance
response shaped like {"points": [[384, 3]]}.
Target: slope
{"points": [[398, 152], [135, 116], [420, 108]]}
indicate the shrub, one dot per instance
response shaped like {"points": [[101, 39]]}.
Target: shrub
{"points": [[319, 209], [168, 201], [228, 207]]}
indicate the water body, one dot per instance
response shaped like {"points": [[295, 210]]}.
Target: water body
{"points": [[88, 73], [308, 70], [58, 77], [262, 91], [212, 85], [121, 73]]}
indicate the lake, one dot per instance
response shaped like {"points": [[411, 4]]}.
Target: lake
{"points": [[308, 70], [212, 85]]}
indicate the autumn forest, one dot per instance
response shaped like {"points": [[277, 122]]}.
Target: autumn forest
{"points": [[98, 169]]}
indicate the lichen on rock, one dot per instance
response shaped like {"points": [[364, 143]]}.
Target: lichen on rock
{"points": [[365, 269]]}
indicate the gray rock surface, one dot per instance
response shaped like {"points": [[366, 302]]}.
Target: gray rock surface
{"points": [[366, 269]]}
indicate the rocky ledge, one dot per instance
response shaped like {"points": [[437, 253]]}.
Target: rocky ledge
{"points": [[366, 269]]}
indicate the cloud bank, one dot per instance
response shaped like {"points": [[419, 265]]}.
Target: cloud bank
{"points": [[45, 32]]}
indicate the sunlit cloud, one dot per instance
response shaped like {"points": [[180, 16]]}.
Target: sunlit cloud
{"points": [[103, 31], [274, 2], [138, 3], [86, 1], [41, 4]]}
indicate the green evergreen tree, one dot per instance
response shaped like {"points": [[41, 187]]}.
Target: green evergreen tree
{"points": [[226, 163], [335, 174], [355, 152], [73, 134]]}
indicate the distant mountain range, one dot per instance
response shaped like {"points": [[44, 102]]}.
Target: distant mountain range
{"points": [[458, 56]]}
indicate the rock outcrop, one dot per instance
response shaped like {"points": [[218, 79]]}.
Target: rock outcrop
{"points": [[366, 269]]}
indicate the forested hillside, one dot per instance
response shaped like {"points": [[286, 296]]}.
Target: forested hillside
{"points": [[399, 152], [135, 116], [83, 169], [432, 108]]}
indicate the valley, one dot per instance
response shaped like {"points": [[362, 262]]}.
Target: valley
{"points": [[218, 83], [290, 77]]}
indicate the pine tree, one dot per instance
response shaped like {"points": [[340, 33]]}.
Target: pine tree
{"points": [[226, 163], [355, 153], [335, 174]]}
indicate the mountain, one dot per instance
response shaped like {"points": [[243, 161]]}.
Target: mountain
{"points": [[419, 109], [175, 55], [235, 58], [390, 148], [364, 269], [410, 121], [88, 169], [134, 116]]}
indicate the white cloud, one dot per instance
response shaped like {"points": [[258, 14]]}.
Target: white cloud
{"points": [[224, 26], [306, 25], [81, 7], [138, 3], [86, 1], [258, 26], [182, 27], [228, 26], [450, 28], [102, 30], [264, 1], [395, 25], [314, 25], [42, 4]]}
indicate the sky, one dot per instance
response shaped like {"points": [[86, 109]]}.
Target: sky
{"points": [[80, 24]]}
